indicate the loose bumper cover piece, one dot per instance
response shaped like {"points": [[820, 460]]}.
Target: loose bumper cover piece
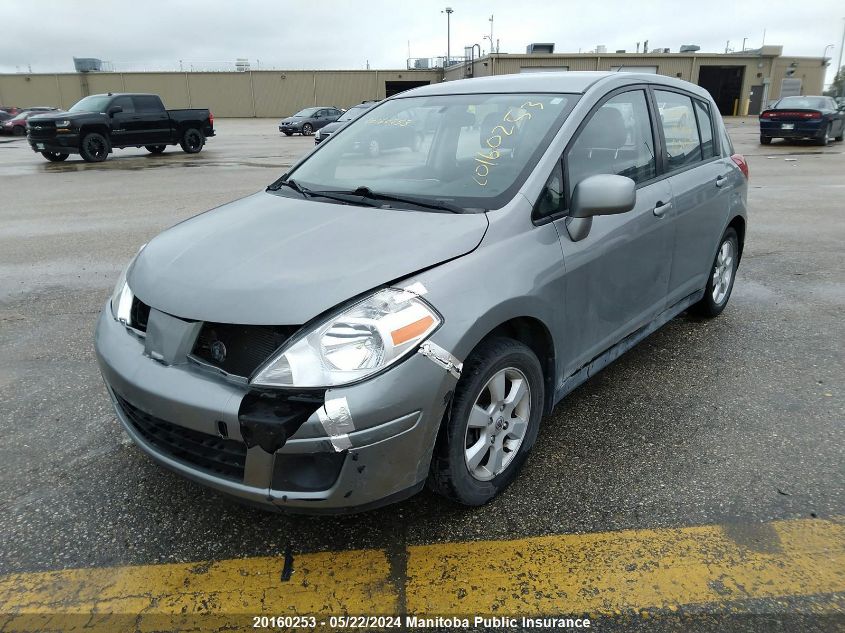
{"points": [[441, 357]]}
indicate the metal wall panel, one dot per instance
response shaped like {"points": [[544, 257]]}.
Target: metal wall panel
{"points": [[225, 94]]}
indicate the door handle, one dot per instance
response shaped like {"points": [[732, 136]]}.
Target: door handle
{"points": [[721, 180], [661, 209]]}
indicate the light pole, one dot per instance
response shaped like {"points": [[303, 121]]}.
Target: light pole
{"points": [[839, 65], [448, 11]]}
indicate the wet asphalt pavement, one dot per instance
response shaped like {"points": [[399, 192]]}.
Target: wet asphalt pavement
{"points": [[737, 419]]}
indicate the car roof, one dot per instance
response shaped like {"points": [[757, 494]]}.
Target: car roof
{"points": [[578, 82]]}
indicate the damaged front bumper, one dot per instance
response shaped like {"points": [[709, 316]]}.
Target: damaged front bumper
{"points": [[359, 446]]}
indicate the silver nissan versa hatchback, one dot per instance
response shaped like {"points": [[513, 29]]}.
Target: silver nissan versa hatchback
{"points": [[370, 323]]}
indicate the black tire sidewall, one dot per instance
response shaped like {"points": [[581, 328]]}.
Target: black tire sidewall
{"points": [[184, 142], [84, 152], [155, 149], [491, 357], [54, 157], [307, 129], [707, 306]]}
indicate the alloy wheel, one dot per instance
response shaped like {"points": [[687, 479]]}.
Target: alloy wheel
{"points": [[723, 272], [497, 424]]}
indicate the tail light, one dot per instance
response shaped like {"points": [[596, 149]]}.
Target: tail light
{"points": [[740, 162], [788, 114], [767, 115], [211, 118]]}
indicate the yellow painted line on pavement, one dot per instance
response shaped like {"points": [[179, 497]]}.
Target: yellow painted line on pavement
{"points": [[613, 572], [596, 573]]}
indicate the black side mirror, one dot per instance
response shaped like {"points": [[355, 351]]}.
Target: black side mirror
{"points": [[114, 110]]}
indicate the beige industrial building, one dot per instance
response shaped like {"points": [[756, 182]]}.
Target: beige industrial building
{"points": [[741, 83]]}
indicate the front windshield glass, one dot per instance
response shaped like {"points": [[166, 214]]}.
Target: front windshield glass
{"points": [[306, 112], [807, 103], [472, 150], [94, 103], [21, 116]]}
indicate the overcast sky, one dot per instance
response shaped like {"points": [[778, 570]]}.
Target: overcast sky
{"points": [[155, 34]]}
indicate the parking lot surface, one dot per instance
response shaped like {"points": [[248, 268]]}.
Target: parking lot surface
{"points": [[701, 471]]}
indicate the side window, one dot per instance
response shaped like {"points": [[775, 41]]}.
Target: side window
{"points": [[147, 103], [125, 103], [616, 140], [320, 114], [683, 146], [551, 198], [705, 129]]}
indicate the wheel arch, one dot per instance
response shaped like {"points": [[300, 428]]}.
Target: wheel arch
{"points": [[536, 335], [738, 225], [99, 128]]}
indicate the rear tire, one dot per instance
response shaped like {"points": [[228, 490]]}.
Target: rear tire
{"points": [[18, 130], [765, 140], [824, 140], [720, 280], [94, 148], [481, 446], [192, 141], [54, 157], [155, 149]]}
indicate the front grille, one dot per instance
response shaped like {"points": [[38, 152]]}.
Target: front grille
{"points": [[239, 349], [210, 453], [139, 315], [41, 130]]}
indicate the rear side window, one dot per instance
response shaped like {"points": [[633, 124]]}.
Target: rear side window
{"points": [[616, 140], [147, 103], [705, 129], [683, 147]]}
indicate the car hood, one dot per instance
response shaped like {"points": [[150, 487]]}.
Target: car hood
{"points": [[291, 119], [269, 259], [56, 115]]}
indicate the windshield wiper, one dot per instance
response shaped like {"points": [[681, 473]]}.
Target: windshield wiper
{"points": [[281, 182], [366, 192], [305, 192]]}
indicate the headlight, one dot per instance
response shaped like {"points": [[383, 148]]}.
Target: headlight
{"points": [[121, 298], [63, 123], [360, 341]]}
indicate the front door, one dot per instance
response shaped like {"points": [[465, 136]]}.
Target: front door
{"points": [[617, 276], [124, 123]]}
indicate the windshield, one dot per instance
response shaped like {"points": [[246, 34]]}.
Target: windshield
{"points": [[353, 113], [807, 103], [21, 116], [306, 112], [94, 103], [473, 151]]}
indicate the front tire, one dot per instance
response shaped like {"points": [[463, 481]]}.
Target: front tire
{"points": [[495, 416], [288, 133], [720, 281], [155, 149], [54, 157], [94, 148], [192, 141], [307, 129]]}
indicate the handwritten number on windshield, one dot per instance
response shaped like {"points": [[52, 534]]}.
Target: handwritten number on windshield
{"points": [[487, 160]]}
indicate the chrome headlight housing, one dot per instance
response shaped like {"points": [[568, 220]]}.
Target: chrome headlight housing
{"points": [[64, 123], [359, 342], [121, 298]]}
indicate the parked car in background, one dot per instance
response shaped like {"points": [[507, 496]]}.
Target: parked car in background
{"points": [[97, 124], [17, 124], [5, 116], [368, 324], [306, 121], [349, 115], [818, 118], [402, 129]]}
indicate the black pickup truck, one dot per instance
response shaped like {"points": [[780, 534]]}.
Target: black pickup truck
{"points": [[97, 124]]}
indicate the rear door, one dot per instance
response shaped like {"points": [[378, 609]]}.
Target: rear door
{"points": [[617, 277], [153, 121], [702, 180]]}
